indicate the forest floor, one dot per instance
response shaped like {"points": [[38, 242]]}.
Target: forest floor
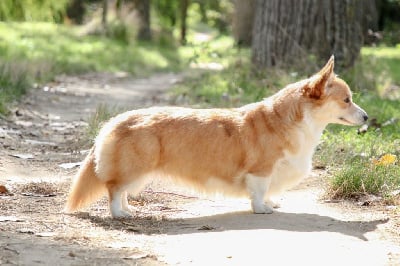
{"points": [[41, 146]]}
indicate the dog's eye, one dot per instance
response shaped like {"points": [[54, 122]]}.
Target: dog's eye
{"points": [[347, 100]]}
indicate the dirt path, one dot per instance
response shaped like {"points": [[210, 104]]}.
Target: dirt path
{"points": [[172, 225]]}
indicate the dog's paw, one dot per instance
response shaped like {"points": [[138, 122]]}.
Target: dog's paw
{"points": [[272, 204], [120, 214], [261, 208]]}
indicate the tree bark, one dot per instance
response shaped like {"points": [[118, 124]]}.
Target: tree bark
{"points": [[243, 19], [184, 4], [76, 11], [104, 16], [143, 10], [281, 31], [286, 32]]}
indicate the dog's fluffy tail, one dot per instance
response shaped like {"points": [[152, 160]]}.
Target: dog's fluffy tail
{"points": [[86, 187]]}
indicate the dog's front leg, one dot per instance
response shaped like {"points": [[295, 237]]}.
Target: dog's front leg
{"points": [[257, 187]]}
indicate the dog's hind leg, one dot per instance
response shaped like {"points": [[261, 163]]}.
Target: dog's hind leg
{"points": [[257, 187], [118, 194], [117, 201]]}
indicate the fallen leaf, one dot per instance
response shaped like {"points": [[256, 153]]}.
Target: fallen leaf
{"points": [[45, 234], [10, 219], [24, 156], [28, 194], [3, 190], [37, 142], [206, 227], [137, 255], [70, 165], [26, 231]]}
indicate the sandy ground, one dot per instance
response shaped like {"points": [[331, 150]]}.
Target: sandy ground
{"points": [[42, 141]]}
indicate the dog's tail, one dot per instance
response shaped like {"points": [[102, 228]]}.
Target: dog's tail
{"points": [[86, 187]]}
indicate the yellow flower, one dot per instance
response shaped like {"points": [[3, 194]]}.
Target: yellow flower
{"points": [[386, 159]]}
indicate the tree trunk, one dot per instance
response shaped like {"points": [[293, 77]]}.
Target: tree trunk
{"points": [[104, 16], [281, 31], [286, 32], [243, 21], [339, 31], [143, 10], [76, 11], [184, 4]]}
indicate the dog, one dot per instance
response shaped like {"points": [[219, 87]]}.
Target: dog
{"points": [[259, 150]]}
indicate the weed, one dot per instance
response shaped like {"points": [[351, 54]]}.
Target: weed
{"points": [[95, 122]]}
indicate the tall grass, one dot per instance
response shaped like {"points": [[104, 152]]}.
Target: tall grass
{"points": [[14, 82], [95, 122]]}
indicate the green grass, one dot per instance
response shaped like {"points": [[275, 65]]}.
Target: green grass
{"points": [[14, 82], [347, 155], [46, 50], [103, 113], [66, 51]]}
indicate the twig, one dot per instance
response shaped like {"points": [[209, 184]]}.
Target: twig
{"points": [[170, 193]]}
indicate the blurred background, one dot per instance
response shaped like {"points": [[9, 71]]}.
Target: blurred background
{"points": [[236, 51]]}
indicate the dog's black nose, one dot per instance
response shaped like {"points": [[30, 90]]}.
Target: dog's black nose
{"points": [[365, 117]]}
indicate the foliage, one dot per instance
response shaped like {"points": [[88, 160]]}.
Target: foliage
{"points": [[32, 10], [46, 49], [69, 52], [215, 14]]}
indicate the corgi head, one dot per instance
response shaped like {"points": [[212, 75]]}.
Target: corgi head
{"points": [[333, 99]]}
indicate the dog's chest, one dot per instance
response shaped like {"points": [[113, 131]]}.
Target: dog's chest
{"points": [[299, 164]]}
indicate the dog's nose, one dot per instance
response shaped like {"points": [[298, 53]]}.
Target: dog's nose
{"points": [[365, 117]]}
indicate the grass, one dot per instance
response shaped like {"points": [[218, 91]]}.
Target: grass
{"points": [[46, 50], [14, 82], [103, 113], [349, 156]]}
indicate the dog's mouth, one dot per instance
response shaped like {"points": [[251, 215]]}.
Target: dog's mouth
{"points": [[346, 121]]}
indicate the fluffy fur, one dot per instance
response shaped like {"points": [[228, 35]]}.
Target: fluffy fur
{"points": [[259, 149]]}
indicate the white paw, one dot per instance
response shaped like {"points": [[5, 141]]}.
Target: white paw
{"points": [[261, 208], [126, 208], [272, 204], [120, 214]]}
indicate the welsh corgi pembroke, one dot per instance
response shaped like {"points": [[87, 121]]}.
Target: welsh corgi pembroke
{"points": [[258, 150]]}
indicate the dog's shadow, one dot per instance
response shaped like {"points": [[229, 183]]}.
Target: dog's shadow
{"points": [[283, 221]]}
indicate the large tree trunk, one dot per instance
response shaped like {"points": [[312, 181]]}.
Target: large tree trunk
{"points": [[281, 31], [339, 31], [143, 10], [243, 19], [289, 31]]}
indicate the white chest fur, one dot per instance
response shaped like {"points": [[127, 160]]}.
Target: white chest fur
{"points": [[294, 167]]}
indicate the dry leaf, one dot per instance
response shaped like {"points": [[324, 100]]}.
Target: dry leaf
{"points": [[3, 190]]}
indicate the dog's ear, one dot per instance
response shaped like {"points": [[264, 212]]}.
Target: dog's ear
{"points": [[316, 88]]}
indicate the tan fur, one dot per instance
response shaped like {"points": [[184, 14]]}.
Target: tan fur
{"points": [[80, 195], [273, 139]]}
